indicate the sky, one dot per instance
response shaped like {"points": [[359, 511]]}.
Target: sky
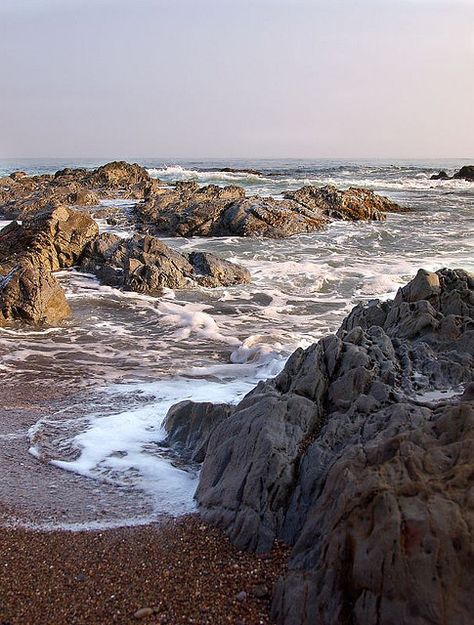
{"points": [[237, 78]]}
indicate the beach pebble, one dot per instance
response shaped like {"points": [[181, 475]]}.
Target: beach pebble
{"points": [[143, 612], [242, 596]]}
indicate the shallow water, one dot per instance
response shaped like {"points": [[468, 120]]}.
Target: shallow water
{"points": [[138, 355]]}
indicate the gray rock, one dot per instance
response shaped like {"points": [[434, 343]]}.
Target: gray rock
{"points": [[146, 265], [189, 426], [346, 456]]}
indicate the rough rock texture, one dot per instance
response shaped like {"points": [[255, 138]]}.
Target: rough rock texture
{"points": [[354, 204], [146, 265], [189, 425], [441, 176], [348, 456], [54, 239], [31, 294], [188, 210], [22, 195], [29, 252]]}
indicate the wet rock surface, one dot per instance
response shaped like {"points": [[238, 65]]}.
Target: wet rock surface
{"points": [[146, 265], [189, 210], [359, 454]]}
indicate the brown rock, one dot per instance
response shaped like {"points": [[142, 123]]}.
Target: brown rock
{"points": [[30, 294]]}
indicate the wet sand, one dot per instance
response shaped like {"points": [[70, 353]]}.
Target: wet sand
{"points": [[176, 571]]}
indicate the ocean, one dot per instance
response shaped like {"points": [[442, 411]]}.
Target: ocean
{"points": [[126, 358]]}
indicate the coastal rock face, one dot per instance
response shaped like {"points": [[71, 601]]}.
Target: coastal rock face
{"points": [[354, 204], [31, 294], [188, 210], [189, 426], [355, 456], [146, 265]]}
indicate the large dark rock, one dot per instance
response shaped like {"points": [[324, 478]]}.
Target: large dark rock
{"points": [[189, 210], [189, 426], [30, 294], [146, 265], [466, 173], [350, 456], [441, 176]]}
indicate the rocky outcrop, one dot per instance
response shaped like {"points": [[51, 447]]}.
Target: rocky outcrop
{"points": [[146, 265], [355, 456], [189, 426], [22, 195], [465, 173], [189, 210], [29, 253]]}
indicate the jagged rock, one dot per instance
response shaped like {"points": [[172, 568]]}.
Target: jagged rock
{"points": [[189, 426], [350, 205], [54, 239], [188, 210], [345, 456], [466, 173], [146, 265], [30, 294]]}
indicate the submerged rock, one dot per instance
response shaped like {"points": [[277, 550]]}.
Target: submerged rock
{"points": [[345, 456], [189, 210], [146, 265]]}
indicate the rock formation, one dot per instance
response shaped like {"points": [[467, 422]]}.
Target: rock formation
{"points": [[22, 195], [146, 265], [465, 173], [29, 253], [190, 210], [354, 456]]}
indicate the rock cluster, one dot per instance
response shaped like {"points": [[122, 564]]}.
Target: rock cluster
{"points": [[465, 173], [146, 265], [189, 210], [349, 456], [22, 195]]}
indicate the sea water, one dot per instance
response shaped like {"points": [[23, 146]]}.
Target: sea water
{"points": [[132, 356]]}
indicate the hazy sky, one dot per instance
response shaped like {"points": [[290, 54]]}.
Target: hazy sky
{"points": [[250, 78]]}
